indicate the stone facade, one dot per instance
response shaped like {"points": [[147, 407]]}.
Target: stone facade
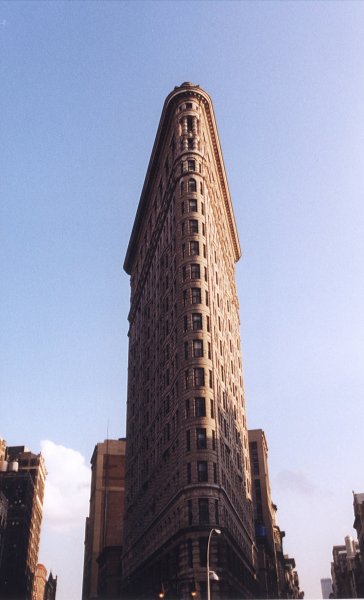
{"points": [[188, 466], [104, 525]]}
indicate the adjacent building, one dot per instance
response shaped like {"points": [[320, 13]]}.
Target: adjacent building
{"points": [[276, 572], [326, 587], [187, 457], [104, 525], [358, 503], [22, 480], [346, 570]]}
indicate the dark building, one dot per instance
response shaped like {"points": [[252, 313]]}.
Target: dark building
{"points": [[3, 520], [346, 570], [50, 588], [22, 479], [358, 503], [187, 459]]}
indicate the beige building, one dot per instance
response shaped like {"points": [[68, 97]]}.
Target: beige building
{"points": [[104, 525], [39, 582], [188, 468]]}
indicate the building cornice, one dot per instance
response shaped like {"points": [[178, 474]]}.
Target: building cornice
{"points": [[187, 90]]}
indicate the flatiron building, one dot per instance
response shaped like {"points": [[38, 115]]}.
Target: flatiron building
{"points": [[187, 453]]}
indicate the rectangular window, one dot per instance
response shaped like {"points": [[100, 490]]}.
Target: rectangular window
{"points": [[202, 470], [208, 323], [192, 205], [185, 323], [195, 271], [193, 226], [184, 273], [213, 440], [200, 438], [198, 377], [194, 248], [186, 350], [203, 510], [197, 321], [212, 409], [197, 346], [188, 440], [215, 472], [186, 379], [187, 408], [191, 164], [190, 513], [203, 557], [200, 407], [196, 295], [190, 553], [188, 472]]}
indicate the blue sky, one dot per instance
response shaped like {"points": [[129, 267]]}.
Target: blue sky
{"points": [[82, 88]]}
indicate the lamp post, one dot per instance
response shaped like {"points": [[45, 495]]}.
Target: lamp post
{"points": [[208, 560]]}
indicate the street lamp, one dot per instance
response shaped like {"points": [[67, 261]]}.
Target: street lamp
{"points": [[208, 562]]}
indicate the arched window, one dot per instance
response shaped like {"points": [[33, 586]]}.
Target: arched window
{"points": [[192, 185]]}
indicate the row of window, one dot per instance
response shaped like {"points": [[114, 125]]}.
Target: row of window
{"points": [[203, 511], [192, 206], [197, 349], [194, 249], [191, 187], [201, 439], [194, 296], [193, 227], [202, 472], [196, 322], [194, 270], [198, 377], [198, 406]]}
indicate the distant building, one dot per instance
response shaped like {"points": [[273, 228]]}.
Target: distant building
{"points": [[358, 502], [326, 587], [3, 521], [39, 582], [276, 571], [50, 588], [346, 570], [264, 515], [104, 525], [22, 480]]}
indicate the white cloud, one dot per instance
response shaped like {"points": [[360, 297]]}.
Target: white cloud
{"points": [[292, 481], [67, 490]]}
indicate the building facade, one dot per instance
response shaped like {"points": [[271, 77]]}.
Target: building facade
{"points": [[346, 570], [187, 458], [104, 525], [264, 516], [358, 504], [326, 587], [22, 481]]}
